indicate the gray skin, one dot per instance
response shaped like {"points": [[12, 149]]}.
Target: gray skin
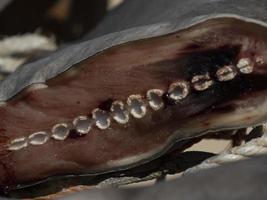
{"points": [[165, 16], [243, 180], [140, 13]]}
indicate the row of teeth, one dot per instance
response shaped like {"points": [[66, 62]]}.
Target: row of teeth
{"points": [[136, 106]]}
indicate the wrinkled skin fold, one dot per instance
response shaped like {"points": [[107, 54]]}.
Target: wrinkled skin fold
{"points": [[134, 68]]}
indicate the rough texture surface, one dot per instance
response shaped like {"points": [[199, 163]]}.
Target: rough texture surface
{"points": [[243, 180]]}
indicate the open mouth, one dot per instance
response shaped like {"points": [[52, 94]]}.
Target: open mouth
{"points": [[128, 105]]}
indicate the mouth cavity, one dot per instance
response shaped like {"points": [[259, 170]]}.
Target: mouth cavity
{"points": [[129, 104]]}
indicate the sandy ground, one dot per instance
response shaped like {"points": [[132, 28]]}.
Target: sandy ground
{"points": [[210, 145], [114, 3]]}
